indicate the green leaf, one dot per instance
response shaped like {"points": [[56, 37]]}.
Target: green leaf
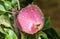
{"points": [[42, 35], [2, 12], [1, 30], [51, 33], [47, 23], [5, 21], [7, 5], [23, 35], [2, 35], [24, 3], [29, 1], [14, 3], [2, 8], [39, 37], [31, 36], [10, 34], [11, 18], [27, 36], [1, 2], [8, 0]]}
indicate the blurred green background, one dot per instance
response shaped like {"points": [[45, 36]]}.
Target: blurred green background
{"points": [[51, 8]]}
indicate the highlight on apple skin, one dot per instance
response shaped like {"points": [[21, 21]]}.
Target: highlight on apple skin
{"points": [[30, 19]]}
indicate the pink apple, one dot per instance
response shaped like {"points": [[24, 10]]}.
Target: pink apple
{"points": [[30, 19]]}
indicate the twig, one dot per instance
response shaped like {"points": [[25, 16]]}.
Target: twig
{"points": [[18, 5]]}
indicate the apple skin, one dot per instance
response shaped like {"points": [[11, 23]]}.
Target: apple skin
{"points": [[30, 19]]}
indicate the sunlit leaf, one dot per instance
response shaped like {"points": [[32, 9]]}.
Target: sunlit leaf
{"points": [[39, 37], [5, 21], [10, 34], [2, 8], [7, 5]]}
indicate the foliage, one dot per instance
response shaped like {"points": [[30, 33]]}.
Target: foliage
{"points": [[7, 21]]}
